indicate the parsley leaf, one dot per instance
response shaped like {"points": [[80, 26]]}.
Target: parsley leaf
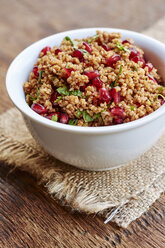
{"points": [[76, 93], [121, 47], [78, 113], [87, 117], [93, 38], [160, 89], [73, 122], [58, 98], [54, 118], [113, 83], [63, 91], [40, 76]]}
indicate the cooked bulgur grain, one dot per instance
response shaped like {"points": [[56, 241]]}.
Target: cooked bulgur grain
{"points": [[95, 81]]}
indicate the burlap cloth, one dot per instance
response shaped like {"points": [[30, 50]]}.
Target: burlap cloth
{"points": [[123, 194]]}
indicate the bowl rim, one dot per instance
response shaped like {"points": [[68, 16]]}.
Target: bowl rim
{"points": [[28, 112]]}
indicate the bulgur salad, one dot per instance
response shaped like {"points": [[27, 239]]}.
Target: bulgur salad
{"points": [[95, 81]]}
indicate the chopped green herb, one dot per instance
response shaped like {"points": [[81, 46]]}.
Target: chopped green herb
{"points": [[91, 39], [38, 93], [87, 117], [121, 47], [75, 44], [63, 91], [160, 89], [113, 83], [54, 118], [68, 38], [135, 68], [96, 116], [31, 97], [58, 98], [78, 113], [40, 76], [76, 93], [150, 100], [132, 108], [73, 122]]}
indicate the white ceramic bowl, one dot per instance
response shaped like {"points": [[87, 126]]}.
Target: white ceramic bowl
{"points": [[91, 148]]}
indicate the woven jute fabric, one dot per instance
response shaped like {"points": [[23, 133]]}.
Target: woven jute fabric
{"points": [[127, 191], [132, 188]]}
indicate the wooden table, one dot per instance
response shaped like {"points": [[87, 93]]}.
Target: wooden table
{"points": [[28, 216]]}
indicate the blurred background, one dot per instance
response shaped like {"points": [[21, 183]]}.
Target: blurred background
{"points": [[25, 21]]}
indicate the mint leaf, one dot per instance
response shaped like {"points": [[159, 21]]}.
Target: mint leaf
{"points": [[58, 98], [73, 122], [113, 83], [63, 91], [40, 76], [54, 118], [91, 39], [87, 117], [121, 47], [78, 113]]}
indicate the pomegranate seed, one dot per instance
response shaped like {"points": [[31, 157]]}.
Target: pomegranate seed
{"points": [[152, 78], [91, 74], [118, 111], [45, 50], [68, 72], [104, 95], [54, 98], [35, 71], [112, 60], [87, 47], [82, 88], [126, 41], [38, 108], [97, 82], [52, 114], [118, 120], [136, 59], [106, 47], [78, 54], [57, 51], [115, 95], [133, 53], [150, 66], [64, 118]]}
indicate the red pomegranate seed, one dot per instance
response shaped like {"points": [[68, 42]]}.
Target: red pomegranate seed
{"points": [[78, 54], [82, 88], [91, 74], [35, 71], [67, 72], [137, 104], [97, 82], [152, 78], [87, 47], [106, 47], [45, 50], [136, 59], [150, 66], [112, 60], [126, 41], [118, 111], [118, 120], [115, 95], [52, 114], [104, 95], [57, 51], [133, 53], [38, 108], [64, 118], [54, 98]]}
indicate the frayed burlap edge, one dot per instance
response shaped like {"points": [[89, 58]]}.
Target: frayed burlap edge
{"points": [[90, 192]]}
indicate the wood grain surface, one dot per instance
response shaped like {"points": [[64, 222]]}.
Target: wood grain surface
{"points": [[28, 216]]}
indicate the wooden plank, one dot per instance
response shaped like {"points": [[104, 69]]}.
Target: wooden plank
{"points": [[28, 216]]}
